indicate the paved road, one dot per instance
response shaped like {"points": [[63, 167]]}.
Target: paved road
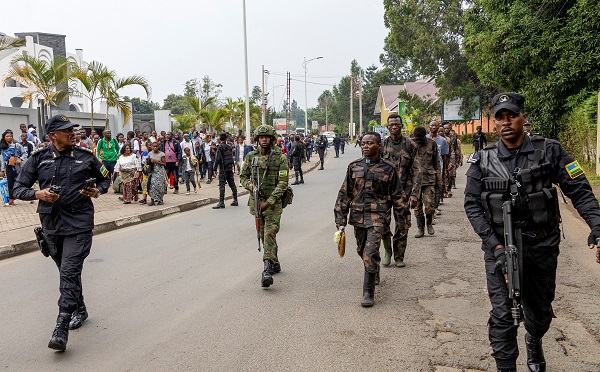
{"points": [[183, 293]]}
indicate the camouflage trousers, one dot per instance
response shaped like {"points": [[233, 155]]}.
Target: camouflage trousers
{"points": [[368, 241], [427, 200], [269, 227], [402, 224]]}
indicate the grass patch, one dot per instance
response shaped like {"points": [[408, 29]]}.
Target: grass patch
{"points": [[467, 148]]}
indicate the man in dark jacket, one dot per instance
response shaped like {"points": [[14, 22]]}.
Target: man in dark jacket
{"points": [[337, 140], [297, 153], [224, 163]]}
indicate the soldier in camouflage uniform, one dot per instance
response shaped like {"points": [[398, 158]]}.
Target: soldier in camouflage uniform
{"points": [[429, 162], [272, 170], [369, 191], [453, 157], [400, 151]]}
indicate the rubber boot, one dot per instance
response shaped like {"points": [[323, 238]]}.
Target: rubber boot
{"points": [[78, 317], [267, 278], [368, 290], [377, 278], [301, 176], [420, 227], [296, 182], [430, 229], [535, 354], [60, 336], [387, 245]]}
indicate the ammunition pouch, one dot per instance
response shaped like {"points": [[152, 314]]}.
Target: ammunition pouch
{"points": [[47, 246]]}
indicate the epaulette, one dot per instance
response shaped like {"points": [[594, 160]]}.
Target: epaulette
{"points": [[473, 158], [83, 148], [39, 149]]}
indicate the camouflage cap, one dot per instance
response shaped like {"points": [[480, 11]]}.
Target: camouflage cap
{"points": [[265, 130]]}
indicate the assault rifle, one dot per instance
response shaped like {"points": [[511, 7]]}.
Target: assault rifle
{"points": [[256, 193], [514, 254]]}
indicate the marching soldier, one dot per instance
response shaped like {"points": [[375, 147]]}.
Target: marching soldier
{"points": [[400, 151], [271, 169], [454, 158], [68, 177], [369, 191], [429, 163], [521, 170]]}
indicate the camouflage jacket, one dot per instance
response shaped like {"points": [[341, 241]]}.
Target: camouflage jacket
{"points": [[402, 155], [368, 193], [429, 162], [272, 170], [454, 150]]}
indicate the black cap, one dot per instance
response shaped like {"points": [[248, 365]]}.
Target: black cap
{"points": [[509, 101], [58, 122]]}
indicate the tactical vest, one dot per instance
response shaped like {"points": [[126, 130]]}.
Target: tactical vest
{"points": [[530, 188]]}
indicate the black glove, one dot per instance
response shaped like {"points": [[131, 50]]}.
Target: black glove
{"points": [[500, 255], [594, 235]]}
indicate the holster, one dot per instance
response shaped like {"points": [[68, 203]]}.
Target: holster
{"points": [[47, 246]]}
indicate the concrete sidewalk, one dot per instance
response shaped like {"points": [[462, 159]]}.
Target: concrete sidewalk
{"points": [[17, 222]]}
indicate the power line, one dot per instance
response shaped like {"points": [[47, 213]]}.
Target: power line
{"points": [[311, 82]]}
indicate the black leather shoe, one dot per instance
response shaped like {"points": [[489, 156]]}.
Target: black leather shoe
{"points": [[60, 336], [295, 183], [219, 205], [267, 278], [535, 354], [234, 203], [78, 317]]}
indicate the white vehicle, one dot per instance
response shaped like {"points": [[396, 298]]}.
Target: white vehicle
{"points": [[330, 136]]}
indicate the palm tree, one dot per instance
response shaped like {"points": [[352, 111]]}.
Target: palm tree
{"points": [[7, 42], [213, 116], [198, 104], [93, 77], [186, 122], [255, 114], [44, 81], [110, 91], [234, 110]]}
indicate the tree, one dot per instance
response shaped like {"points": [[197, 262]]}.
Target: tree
{"points": [[256, 96], [419, 110], [210, 88], [325, 101], [93, 76], [176, 103], [142, 106], [191, 88], [45, 81], [186, 122], [111, 89], [213, 116], [234, 111], [7, 42]]}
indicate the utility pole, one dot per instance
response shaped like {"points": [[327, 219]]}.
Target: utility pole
{"points": [[262, 96], [360, 116], [351, 103], [288, 105], [305, 95], [598, 140], [246, 70]]}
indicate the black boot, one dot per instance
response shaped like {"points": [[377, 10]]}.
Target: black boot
{"points": [[535, 354], [430, 229], [267, 278], [275, 268], [301, 177], [420, 227], [296, 182], [78, 317], [368, 290], [234, 203], [60, 336], [219, 205], [377, 279]]}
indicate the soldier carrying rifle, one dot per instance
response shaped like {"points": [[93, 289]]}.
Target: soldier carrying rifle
{"points": [[512, 205]]}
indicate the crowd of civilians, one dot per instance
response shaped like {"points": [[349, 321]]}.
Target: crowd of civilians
{"points": [[141, 162]]}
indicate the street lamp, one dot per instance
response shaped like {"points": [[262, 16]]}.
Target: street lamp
{"points": [[305, 96], [247, 106]]}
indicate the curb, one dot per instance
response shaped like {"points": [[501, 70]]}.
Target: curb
{"points": [[12, 250]]}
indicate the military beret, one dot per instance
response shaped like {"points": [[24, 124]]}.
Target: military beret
{"points": [[58, 122], [508, 101]]}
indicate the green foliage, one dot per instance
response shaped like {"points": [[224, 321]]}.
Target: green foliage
{"points": [[191, 88], [186, 122], [142, 106], [177, 104], [209, 88], [579, 133], [7, 42], [420, 111], [256, 95]]}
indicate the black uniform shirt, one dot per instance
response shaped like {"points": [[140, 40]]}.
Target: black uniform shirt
{"points": [[72, 213], [577, 189]]}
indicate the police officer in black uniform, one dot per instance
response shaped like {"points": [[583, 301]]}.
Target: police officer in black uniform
{"points": [[66, 213], [321, 145], [525, 168], [224, 163]]}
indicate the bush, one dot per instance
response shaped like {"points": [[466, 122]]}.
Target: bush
{"points": [[579, 131]]}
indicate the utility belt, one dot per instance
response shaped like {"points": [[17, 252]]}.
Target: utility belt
{"points": [[535, 206]]}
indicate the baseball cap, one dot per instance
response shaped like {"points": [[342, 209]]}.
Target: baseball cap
{"points": [[508, 101]]}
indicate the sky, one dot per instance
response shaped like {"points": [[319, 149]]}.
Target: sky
{"points": [[170, 42]]}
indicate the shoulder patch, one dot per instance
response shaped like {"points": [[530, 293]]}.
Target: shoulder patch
{"points": [[283, 173], [574, 169], [104, 171], [473, 158]]}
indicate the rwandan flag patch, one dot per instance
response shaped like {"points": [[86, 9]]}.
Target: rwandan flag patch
{"points": [[283, 173], [104, 171], [574, 169]]}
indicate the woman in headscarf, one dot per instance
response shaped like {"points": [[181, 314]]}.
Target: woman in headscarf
{"points": [[12, 155], [129, 168], [157, 186]]}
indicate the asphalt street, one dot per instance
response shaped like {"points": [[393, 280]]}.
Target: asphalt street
{"points": [[183, 294]]}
